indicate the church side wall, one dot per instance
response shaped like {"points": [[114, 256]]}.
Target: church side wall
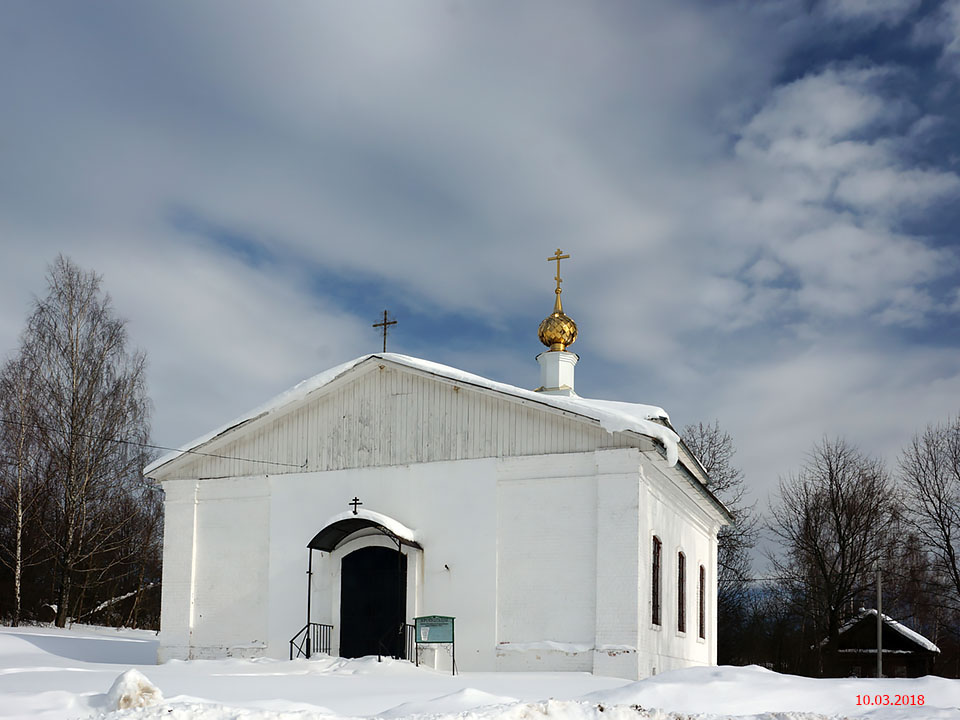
{"points": [[452, 508], [681, 527], [575, 565]]}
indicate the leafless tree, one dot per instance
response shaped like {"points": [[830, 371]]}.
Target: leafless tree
{"points": [[930, 469], [90, 414], [714, 447], [835, 520]]}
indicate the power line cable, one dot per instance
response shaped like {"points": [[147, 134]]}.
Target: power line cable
{"points": [[38, 426]]}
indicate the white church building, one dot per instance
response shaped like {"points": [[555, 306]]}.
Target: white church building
{"points": [[561, 533]]}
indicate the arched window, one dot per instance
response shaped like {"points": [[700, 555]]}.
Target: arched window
{"points": [[702, 615], [655, 582], [681, 592]]}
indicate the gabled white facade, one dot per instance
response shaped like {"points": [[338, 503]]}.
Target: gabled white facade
{"points": [[528, 521]]}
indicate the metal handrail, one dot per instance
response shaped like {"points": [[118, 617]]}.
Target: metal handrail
{"points": [[405, 633], [298, 647], [312, 637], [409, 643]]}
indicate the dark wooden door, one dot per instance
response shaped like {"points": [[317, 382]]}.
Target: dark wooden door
{"points": [[373, 599]]}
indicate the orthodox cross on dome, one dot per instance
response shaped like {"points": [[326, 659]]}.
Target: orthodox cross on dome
{"points": [[557, 331], [355, 502], [387, 323], [558, 257]]}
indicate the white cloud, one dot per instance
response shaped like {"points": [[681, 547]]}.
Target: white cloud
{"points": [[874, 396], [827, 107], [830, 138], [847, 270], [221, 336], [765, 270], [720, 224], [224, 337], [909, 306], [893, 190], [942, 28], [887, 12]]}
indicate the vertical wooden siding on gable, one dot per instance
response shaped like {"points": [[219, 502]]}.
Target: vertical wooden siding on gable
{"points": [[398, 417]]}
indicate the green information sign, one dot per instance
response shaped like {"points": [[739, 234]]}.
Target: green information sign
{"points": [[434, 629]]}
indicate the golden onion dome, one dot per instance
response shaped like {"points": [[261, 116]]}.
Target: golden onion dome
{"points": [[557, 330]]}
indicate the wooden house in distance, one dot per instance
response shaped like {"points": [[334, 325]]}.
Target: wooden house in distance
{"points": [[906, 653]]}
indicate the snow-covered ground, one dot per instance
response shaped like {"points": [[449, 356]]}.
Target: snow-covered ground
{"points": [[52, 673]]}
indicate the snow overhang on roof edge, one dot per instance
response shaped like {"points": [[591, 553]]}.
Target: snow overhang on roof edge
{"points": [[298, 391], [892, 624], [355, 520], [612, 415]]}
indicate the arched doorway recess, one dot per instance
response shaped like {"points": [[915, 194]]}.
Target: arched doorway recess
{"points": [[372, 582]]}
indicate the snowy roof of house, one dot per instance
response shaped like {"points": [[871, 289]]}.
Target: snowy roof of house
{"points": [[613, 416], [911, 635]]}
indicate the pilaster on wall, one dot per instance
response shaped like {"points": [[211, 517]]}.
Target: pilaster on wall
{"points": [[179, 537], [545, 595], [229, 598], [618, 563], [712, 599]]}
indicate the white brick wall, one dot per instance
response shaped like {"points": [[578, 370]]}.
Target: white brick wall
{"points": [[452, 508], [546, 530], [618, 585], [175, 610], [519, 550], [232, 567]]}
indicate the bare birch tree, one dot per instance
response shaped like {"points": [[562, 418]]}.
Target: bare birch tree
{"points": [[20, 491], [91, 418]]}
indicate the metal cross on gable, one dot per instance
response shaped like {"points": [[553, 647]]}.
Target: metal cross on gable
{"points": [[384, 325], [355, 502]]}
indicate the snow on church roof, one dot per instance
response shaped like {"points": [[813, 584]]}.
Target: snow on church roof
{"points": [[613, 416]]}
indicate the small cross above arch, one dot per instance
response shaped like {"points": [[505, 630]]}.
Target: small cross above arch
{"points": [[355, 502]]}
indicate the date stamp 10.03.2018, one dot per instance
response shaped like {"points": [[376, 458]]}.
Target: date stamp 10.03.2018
{"points": [[881, 699]]}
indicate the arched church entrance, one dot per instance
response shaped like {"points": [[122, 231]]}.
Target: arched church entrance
{"points": [[373, 589], [373, 602]]}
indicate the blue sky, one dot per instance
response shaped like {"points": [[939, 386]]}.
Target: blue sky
{"points": [[760, 198]]}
